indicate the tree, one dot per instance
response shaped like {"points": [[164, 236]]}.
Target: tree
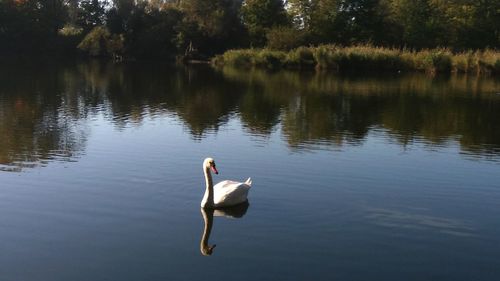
{"points": [[478, 22], [422, 23], [210, 26], [99, 42], [31, 26], [325, 26], [300, 13], [364, 21], [260, 15], [91, 13]]}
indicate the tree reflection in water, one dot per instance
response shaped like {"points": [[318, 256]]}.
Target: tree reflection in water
{"points": [[44, 110]]}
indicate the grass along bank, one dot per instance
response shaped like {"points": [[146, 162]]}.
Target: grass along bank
{"points": [[365, 58]]}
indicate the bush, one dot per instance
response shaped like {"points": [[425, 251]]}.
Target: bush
{"points": [[490, 61], [283, 38], [328, 56], [238, 58], [99, 42], [270, 59], [460, 63], [299, 57], [496, 67], [441, 60], [431, 61], [367, 58], [70, 30]]}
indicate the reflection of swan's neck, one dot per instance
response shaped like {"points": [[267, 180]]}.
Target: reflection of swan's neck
{"points": [[208, 198], [208, 218]]}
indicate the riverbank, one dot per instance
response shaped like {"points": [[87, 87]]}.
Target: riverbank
{"points": [[365, 59]]}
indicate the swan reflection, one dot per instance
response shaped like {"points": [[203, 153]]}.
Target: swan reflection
{"points": [[237, 211]]}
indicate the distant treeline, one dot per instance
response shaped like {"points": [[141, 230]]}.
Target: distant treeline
{"points": [[203, 28]]}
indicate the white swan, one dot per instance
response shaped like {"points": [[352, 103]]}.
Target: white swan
{"points": [[225, 193]]}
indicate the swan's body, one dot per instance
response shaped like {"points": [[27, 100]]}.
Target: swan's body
{"points": [[225, 193]]}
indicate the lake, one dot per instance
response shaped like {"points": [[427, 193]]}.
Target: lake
{"points": [[355, 177]]}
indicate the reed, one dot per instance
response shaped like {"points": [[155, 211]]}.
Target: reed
{"points": [[366, 58]]}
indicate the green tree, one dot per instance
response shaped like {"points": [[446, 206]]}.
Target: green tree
{"points": [[325, 26], [260, 15], [153, 32], [478, 23], [91, 13], [210, 26], [422, 23], [101, 43], [117, 18], [364, 21], [31, 26], [300, 13]]}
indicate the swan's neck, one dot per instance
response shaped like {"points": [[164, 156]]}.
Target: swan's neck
{"points": [[208, 198]]}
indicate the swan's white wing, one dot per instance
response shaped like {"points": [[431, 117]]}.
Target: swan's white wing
{"points": [[225, 184], [228, 193]]}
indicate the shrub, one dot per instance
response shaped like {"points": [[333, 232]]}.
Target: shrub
{"points": [[460, 63], [299, 57], [239, 58], [441, 60], [283, 38], [70, 30], [489, 61], [270, 59], [496, 67], [367, 58], [328, 56], [100, 42]]}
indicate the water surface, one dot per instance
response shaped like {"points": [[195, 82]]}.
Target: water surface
{"points": [[392, 177]]}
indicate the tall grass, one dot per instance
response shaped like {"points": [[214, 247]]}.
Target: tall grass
{"points": [[366, 58], [477, 62]]}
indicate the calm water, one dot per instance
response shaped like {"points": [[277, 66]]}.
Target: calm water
{"points": [[355, 178]]}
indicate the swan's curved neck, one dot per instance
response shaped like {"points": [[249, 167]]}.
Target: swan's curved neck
{"points": [[208, 198]]}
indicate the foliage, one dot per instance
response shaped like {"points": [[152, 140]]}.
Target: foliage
{"points": [[261, 15], [70, 30], [30, 27], [210, 26], [270, 59], [366, 58], [487, 61], [284, 38], [91, 13], [167, 28], [100, 42], [300, 57]]}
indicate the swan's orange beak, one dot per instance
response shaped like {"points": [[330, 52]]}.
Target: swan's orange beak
{"points": [[214, 170]]}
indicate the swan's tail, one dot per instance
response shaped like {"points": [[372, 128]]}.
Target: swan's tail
{"points": [[249, 181]]}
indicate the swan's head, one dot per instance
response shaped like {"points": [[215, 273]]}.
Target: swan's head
{"points": [[210, 163]]}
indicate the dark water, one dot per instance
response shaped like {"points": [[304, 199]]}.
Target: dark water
{"points": [[355, 178]]}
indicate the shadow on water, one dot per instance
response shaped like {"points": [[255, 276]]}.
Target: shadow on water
{"points": [[208, 214], [45, 110]]}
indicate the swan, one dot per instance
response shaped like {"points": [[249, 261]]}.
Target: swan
{"points": [[225, 193]]}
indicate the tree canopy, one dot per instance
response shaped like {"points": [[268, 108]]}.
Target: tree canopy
{"points": [[166, 28]]}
